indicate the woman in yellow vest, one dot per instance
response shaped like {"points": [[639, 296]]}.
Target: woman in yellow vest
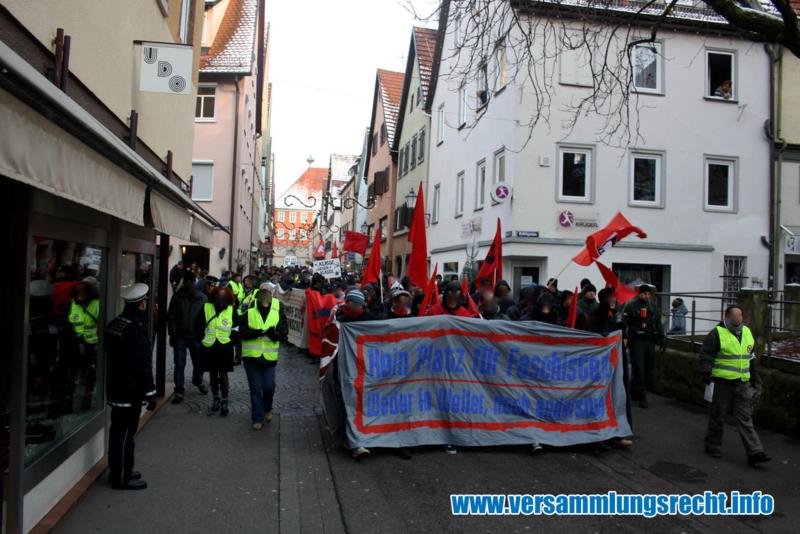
{"points": [[262, 329], [214, 329]]}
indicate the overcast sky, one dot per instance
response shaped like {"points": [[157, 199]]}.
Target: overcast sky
{"points": [[323, 57]]}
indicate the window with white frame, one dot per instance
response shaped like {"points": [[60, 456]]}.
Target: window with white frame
{"points": [[646, 180], [292, 217], [304, 235], [501, 64], [462, 106], [720, 75], [720, 184], [280, 232], [421, 145], [292, 235], [460, 194], [281, 216], [574, 65], [420, 96], [482, 93], [206, 103], [574, 174], [499, 174], [646, 63], [480, 184], [437, 191], [304, 217], [440, 126], [401, 154], [203, 180], [457, 31]]}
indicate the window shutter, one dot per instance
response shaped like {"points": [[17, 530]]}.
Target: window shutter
{"points": [[421, 149], [386, 174]]}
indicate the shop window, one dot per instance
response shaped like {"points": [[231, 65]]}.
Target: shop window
{"points": [[65, 322], [720, 78]]}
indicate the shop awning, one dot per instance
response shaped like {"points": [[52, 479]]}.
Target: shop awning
{"points": [[35, 151], [201, 233], [92, 179], [169, 218]]}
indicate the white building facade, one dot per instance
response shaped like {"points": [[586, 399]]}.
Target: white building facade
{"points": [[695, 180]]}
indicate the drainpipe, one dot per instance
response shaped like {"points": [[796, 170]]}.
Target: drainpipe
{"points": [[235, 178]]}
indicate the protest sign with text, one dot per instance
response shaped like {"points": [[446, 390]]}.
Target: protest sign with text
{"points": [[293, 304], [328, 268], [452, 380]]}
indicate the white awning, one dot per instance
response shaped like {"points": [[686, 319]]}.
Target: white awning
{"points": [[201, 234], [39, 153], [169, 218]]}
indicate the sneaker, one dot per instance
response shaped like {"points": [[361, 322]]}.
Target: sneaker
{"points": [[177, 399], [758, 458], [404, 453], [223, 408], [536, 447], [449, 449], [202, 388], [268, 415], [715, 453], [360, 452], [258, 426], [214, 405]]}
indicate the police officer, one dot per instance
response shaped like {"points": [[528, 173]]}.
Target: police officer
{"points": [[643, 330], [727, 360], [130, 382]]}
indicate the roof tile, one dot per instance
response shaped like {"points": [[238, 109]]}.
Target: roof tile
{"points": [[312, 183], [391, 91], [232, 49], [425, 45]]}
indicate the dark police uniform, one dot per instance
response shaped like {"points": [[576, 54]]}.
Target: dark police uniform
{"points": [[129, 383]]}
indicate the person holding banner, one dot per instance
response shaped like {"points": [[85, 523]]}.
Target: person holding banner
{"points": [[214, 327], [452, 304], [262, 329], [401, 305]]}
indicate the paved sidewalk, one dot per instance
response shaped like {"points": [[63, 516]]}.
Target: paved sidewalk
{"points": [[213, 475]]}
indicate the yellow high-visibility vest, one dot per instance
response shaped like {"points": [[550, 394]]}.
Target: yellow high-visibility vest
{"points": [[262, 347], [733, 360], [247, 302], [218, 328], [84, 320]]}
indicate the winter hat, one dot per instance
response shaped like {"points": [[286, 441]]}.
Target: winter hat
{"points": [[356, 296]]}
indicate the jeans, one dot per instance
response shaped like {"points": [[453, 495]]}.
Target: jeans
{"points": [[261, 379], [179, 347]]}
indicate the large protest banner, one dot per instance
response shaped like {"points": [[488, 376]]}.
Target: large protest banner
{"points": [[293, 304], [319, 309], [452, 380]]}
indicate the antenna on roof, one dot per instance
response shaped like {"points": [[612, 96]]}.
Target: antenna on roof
{"points": [[310, 160]]}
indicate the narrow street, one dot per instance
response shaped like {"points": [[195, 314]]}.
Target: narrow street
{"points": [[210, 474]]}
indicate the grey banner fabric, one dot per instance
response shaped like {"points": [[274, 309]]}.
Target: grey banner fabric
{"points": [[39, 153], [451, 380]]}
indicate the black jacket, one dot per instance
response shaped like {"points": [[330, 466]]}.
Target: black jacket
{"points": [[709, 351], [183, 310], [129, 361]]}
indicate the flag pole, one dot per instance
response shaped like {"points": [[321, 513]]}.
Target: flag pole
{"points": [[563, 269]]}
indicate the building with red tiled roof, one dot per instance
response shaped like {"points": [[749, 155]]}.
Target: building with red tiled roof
{"points": [[295, 212], [412, 140], [381, 169], [230, 116]]}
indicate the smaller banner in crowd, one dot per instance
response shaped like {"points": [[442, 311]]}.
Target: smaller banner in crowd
{"points": [[330, 269], [468, 382], [319, 309], [293, 304]]}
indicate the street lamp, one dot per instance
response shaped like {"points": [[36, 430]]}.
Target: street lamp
{"points": [[411, 199]]}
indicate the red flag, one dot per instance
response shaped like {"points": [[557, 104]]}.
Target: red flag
{"points": [[492, 266], [473, 308], [430, 290], [605, 238], [319, 309], [334, 252], [623, 292], [355, 242], [373, 272], [319, 252], [572, 317], [417, 269]]}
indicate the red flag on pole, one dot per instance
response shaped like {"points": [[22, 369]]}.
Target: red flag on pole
{"points": [[373, 272], [605, 238], [355, 242], [417, 268], [319, 252], [430, 290], [572, 317], [334, 252], [471, 306], [623, 292], [492, 266]]}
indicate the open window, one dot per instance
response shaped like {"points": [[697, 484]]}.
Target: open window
{"points": [[720, 75]]}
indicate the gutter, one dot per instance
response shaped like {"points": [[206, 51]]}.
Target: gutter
{"points": [[234, 179]]}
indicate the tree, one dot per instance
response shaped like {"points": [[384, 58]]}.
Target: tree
{"points": [[519, 42]]}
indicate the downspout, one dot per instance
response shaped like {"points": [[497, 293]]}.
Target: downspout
{"points": [[234, 177]]}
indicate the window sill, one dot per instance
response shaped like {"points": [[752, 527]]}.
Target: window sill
{"points": [[458, 215], [462, 126], [646, 205], [502, 89], [479, 208], [440, 143], [203, 199], [399, 233], [715, 209], [645, 92], [575, 84], [198, 119], [574, 200], [720, 100]]}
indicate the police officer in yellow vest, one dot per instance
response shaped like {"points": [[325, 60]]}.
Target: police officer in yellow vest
{"points": [[262, 329], [728, 365]]}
